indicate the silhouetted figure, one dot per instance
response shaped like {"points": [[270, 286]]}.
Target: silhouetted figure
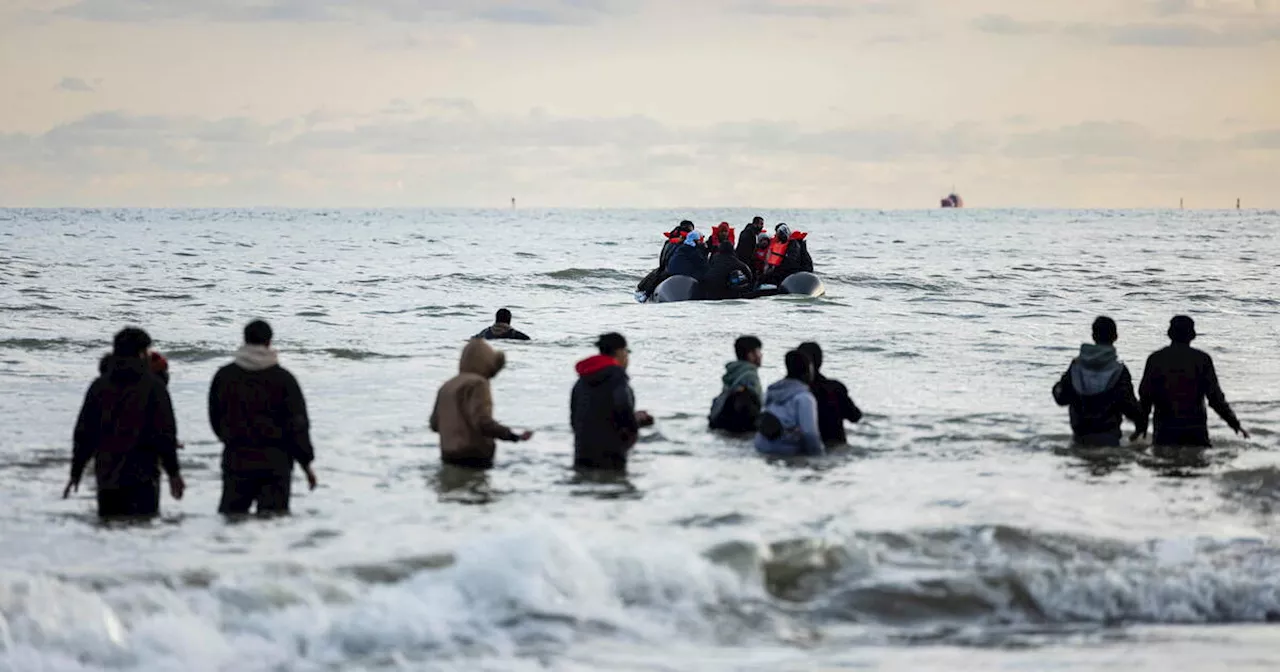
{"points": [[1176, 383]]}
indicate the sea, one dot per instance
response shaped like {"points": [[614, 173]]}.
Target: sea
{"points": [[958, 530]]}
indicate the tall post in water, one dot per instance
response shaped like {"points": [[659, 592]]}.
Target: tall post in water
{"points": [[1179, 203], [1237, 204], [513, 202]]}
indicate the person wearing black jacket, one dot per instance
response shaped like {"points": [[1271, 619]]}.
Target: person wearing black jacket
{"points": [[502, 329], [126, 426], [602, 409], [257, 410], [1176, 382], [834, 404], [746, 250], [718, 282], [1099, 390]]}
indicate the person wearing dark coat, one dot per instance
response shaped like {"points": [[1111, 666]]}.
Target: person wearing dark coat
{"points": [[126, 427], [690, 259], [602, 409], [1099, 390], [834, 404], [746, 250], [795, 260], [257, 410], [1176, 383], [721, 282], [674, 239], [502, 329]]}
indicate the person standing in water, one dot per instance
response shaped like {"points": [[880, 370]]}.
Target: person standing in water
{"points": [[1098, 389], [738, 405], [257, 410], [602, 409], [1176, 383], [502, 329], [834, 404], [126, 426], [789, 423], [463, 413]]}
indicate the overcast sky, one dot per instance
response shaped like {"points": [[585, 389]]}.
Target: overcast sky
{"points": [[805, 103]]}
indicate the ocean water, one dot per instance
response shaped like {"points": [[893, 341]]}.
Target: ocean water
{"points": [[957, 531]]}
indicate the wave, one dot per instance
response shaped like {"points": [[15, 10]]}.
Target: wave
{"points": [[543, 589], [47, 344], [591, 274]]}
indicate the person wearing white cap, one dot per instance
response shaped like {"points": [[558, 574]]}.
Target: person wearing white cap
{"points": [[690, 258]]}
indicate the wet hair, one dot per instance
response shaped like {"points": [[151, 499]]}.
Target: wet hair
{"points": [[1104, 331], [799, 366], [258, 332], [814, 352], [686, 225], [611, 343], [745, 345], [503, 317], [1182, 329], [130, 342]]}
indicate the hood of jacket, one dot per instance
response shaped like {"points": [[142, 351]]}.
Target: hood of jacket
{"points": [[1096, 370], [738, 373], [597, 369], [122, 369], [480, 358], [256, 357], [786, 390]]}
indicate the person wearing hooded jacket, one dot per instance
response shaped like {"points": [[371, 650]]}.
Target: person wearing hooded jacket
{"points": [[788, 425], [748, 241], [1176, 382], [602, 409], [127, 428], [737, 406], [794, 260], [502, 329], [463, 413], [674, 240], [834, 404], [1098, 389], [690, 259], [726, 276], [257, 410]]}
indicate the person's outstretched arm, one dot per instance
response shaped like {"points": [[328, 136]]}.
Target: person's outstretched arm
{"points": [[1218, 400]]}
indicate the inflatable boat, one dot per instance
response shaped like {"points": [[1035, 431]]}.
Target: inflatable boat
{"points": [[685, 288]]}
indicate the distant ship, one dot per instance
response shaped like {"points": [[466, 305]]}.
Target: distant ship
{"points": [[953, 201]]}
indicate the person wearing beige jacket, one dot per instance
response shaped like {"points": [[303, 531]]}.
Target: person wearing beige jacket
{"points": [[463, 414]]}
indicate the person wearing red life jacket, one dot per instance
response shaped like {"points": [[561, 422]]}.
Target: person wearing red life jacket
{"points": [[788, 253], [674, 239], [720, 234]]}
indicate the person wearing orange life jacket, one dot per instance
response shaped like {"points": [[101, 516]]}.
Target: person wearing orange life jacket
{"points": [[788, 253]]}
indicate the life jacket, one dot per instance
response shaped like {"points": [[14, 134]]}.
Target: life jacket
{"points": [[675, 237], [778, 249], [714, 239], [761, 253]]}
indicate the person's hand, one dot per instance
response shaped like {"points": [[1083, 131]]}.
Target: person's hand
{"points": [[311, 477], [525, 436], [177, 486], [72, 486], [1244, 434], [644, 419]]}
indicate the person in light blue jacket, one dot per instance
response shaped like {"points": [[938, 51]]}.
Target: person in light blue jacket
{"points": [[789, 423]]}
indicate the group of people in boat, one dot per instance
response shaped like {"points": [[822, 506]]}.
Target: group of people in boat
{"points": [[728, 265]]}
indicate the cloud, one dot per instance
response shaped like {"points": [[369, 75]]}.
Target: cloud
{"points": [[817, 10], [449, 152], [1137, 34], [526, 12], [74, 85]]}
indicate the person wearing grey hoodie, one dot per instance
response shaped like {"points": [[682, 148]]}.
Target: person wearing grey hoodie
{"points": [[789, 423], [257, 410], [738, 405], [1099, 391]]}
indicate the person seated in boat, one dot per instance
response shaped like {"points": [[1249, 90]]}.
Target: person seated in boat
{"points": [[788, 253], [501, 329], [674, 239], [690, 258], [747, 242], [720, 234], [725, 268]]}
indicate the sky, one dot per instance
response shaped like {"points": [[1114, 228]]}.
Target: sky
{"points": [[640, 103]]}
